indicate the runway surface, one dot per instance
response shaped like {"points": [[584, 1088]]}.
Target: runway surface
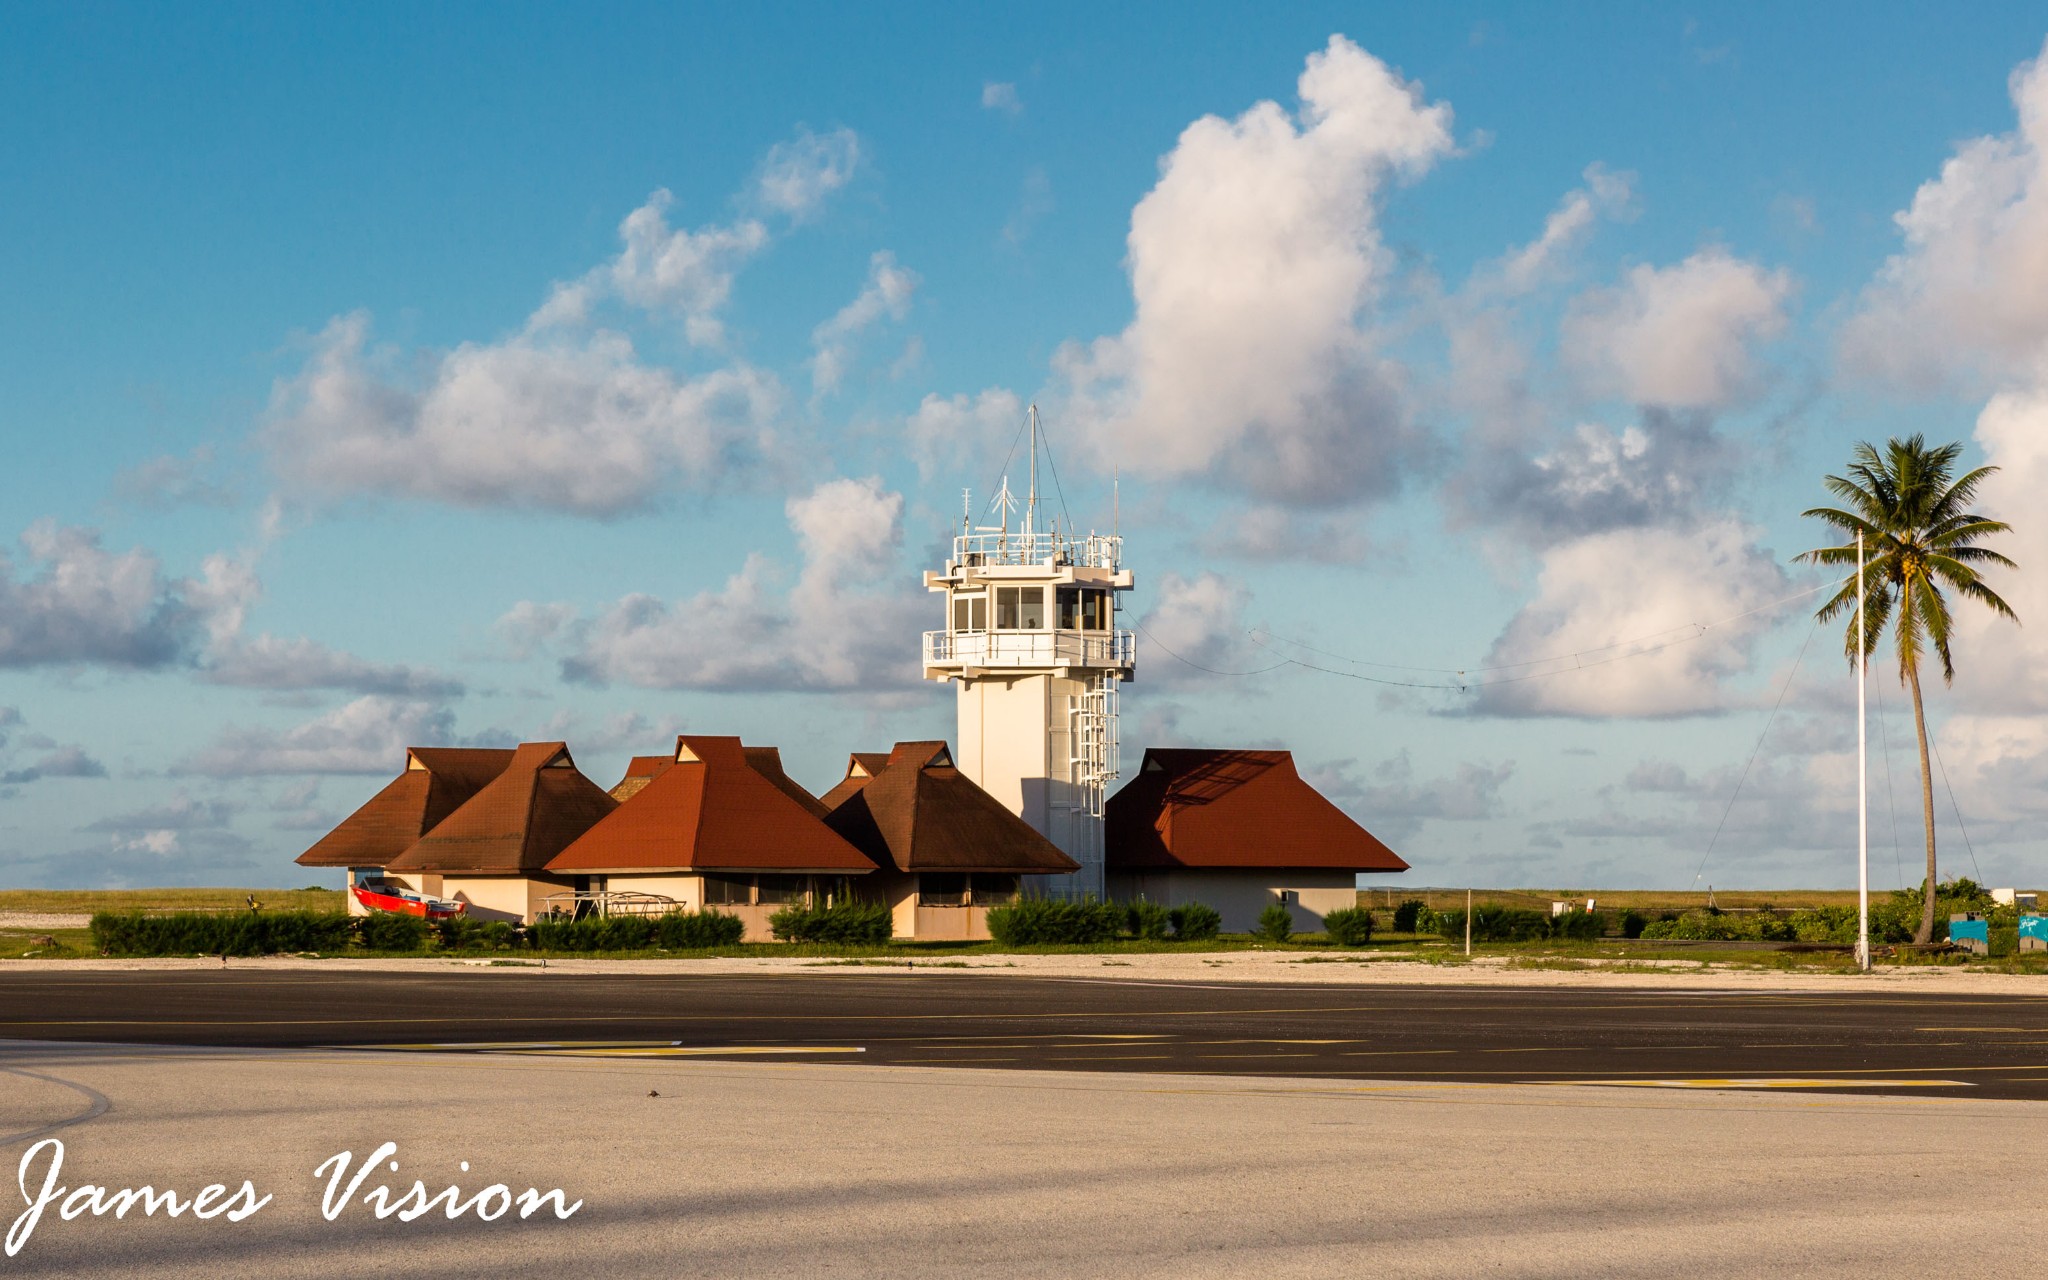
{"points": [[1923, 1045]]}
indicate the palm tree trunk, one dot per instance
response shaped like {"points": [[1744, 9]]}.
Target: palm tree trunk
{"points": [[1926, 933]]}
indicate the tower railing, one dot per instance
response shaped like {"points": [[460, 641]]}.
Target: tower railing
{"points": [[1095, 550], [1031, 648]]}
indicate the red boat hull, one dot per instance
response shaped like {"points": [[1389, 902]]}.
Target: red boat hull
{"points": [[426, 908]]}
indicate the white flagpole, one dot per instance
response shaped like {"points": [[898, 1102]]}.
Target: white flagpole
{"points": [[1862, 776]]}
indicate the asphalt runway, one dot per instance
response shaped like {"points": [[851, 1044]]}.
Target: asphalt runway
{"points": [[1927, 1045]]}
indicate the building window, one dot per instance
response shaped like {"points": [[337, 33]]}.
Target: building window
{"points": [[970, 613], [942, 889], [1020, 608], [990, 889], [1083, 609], [728, 891], [780, 891]]}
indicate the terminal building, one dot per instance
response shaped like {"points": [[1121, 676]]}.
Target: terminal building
{"points": [[1018, 803]]}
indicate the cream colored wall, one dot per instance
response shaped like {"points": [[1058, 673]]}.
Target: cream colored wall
{"points": [[1013, 744], [688, 891], [1241, 895], [515, 898]]}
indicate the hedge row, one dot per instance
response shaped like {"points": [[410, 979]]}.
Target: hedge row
{"points": [[1032, 921], [851, 923], [131, 933]]}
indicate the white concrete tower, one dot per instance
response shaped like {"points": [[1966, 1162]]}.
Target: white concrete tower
{"points": [[1031, 639]]}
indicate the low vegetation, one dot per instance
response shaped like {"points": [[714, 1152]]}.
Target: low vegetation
{"points": [[1348, 926], [1048, 921], [847, 922]]}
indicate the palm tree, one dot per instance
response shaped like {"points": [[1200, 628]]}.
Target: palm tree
{"points": [[1919, 537]]}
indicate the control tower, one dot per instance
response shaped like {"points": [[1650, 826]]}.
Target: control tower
{"points": [[1031, 639]]}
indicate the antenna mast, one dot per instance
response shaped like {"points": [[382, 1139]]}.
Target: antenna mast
{"points": [[1031, 498]]}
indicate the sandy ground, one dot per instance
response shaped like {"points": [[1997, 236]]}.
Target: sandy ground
{"points": [[1342, 967], [43, 920], [694, 1168]]}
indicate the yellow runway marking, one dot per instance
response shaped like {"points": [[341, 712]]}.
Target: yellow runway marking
{"points": [[610, 1048]]}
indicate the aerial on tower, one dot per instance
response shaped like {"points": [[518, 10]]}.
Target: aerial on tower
{"points": [[1030, 637]]}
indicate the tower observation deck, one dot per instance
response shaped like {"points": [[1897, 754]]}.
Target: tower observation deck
{"points": [[1030, 638]]}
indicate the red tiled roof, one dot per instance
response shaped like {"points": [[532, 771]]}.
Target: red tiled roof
{"points": [[1217, 808], [714, 810], [526, 815], [638, 774], [861, 766], [919, 813], [436, 782], [767, 761]]}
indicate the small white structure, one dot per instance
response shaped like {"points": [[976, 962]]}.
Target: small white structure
{"points": [[2014, 898], [1032, 641]]}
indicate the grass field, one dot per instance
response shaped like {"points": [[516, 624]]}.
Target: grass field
{"points": [[1616, 899], [87, 901]]}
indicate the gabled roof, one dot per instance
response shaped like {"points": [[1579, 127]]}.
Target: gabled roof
{"points": [[920, 813], [639, 774], [525, 816], [713, 809], [1218, 809], [860, 767], [436, 782]]}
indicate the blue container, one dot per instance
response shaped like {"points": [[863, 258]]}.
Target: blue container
{"points": [[1971, 932], [2033, 932]]}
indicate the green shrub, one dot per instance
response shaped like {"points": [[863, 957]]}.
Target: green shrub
{"points": [[1147, 919], [1276, 923], [1489, 924], [1195, 921], [848, 921], [1348, 926], [1632, 924], [698, 930], [1030, 921], [1579, 926], [1407, 914], [392, 931], [594, 933], [465, 933], [238, 933]]}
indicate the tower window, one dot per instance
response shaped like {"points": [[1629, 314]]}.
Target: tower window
{"points": [[970, 613], [1020, 608], [1083, 609]]}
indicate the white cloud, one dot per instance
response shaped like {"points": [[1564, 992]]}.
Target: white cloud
{"points": [[1002, 96], [887, 293], [1256, 263], [82, 604], [949, 431], [573, 424], [1606, 194], [63, 762], [1678, 337], [1969, 290], [1393, 804], [1194, 631], [846, 624], [1609, 633], [798, 175], [368, 735], [270, 662]]}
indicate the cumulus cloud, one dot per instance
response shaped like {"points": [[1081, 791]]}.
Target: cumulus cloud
{"points": [[169, 481], [661, 268], [887, 293], [1195, 629], [1965, 294], [64, 762], [271, 662], [78, 603], [797, 176], [1001, 96], [367, 735], [947, 431], [1660, 469], [1611, 629], [845, 624], [181, 813], [1678, 337], [1256, 263], [576, 424], [1606, 195]]}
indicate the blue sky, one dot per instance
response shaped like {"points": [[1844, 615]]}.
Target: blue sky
{"points": [[383, 375]]}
